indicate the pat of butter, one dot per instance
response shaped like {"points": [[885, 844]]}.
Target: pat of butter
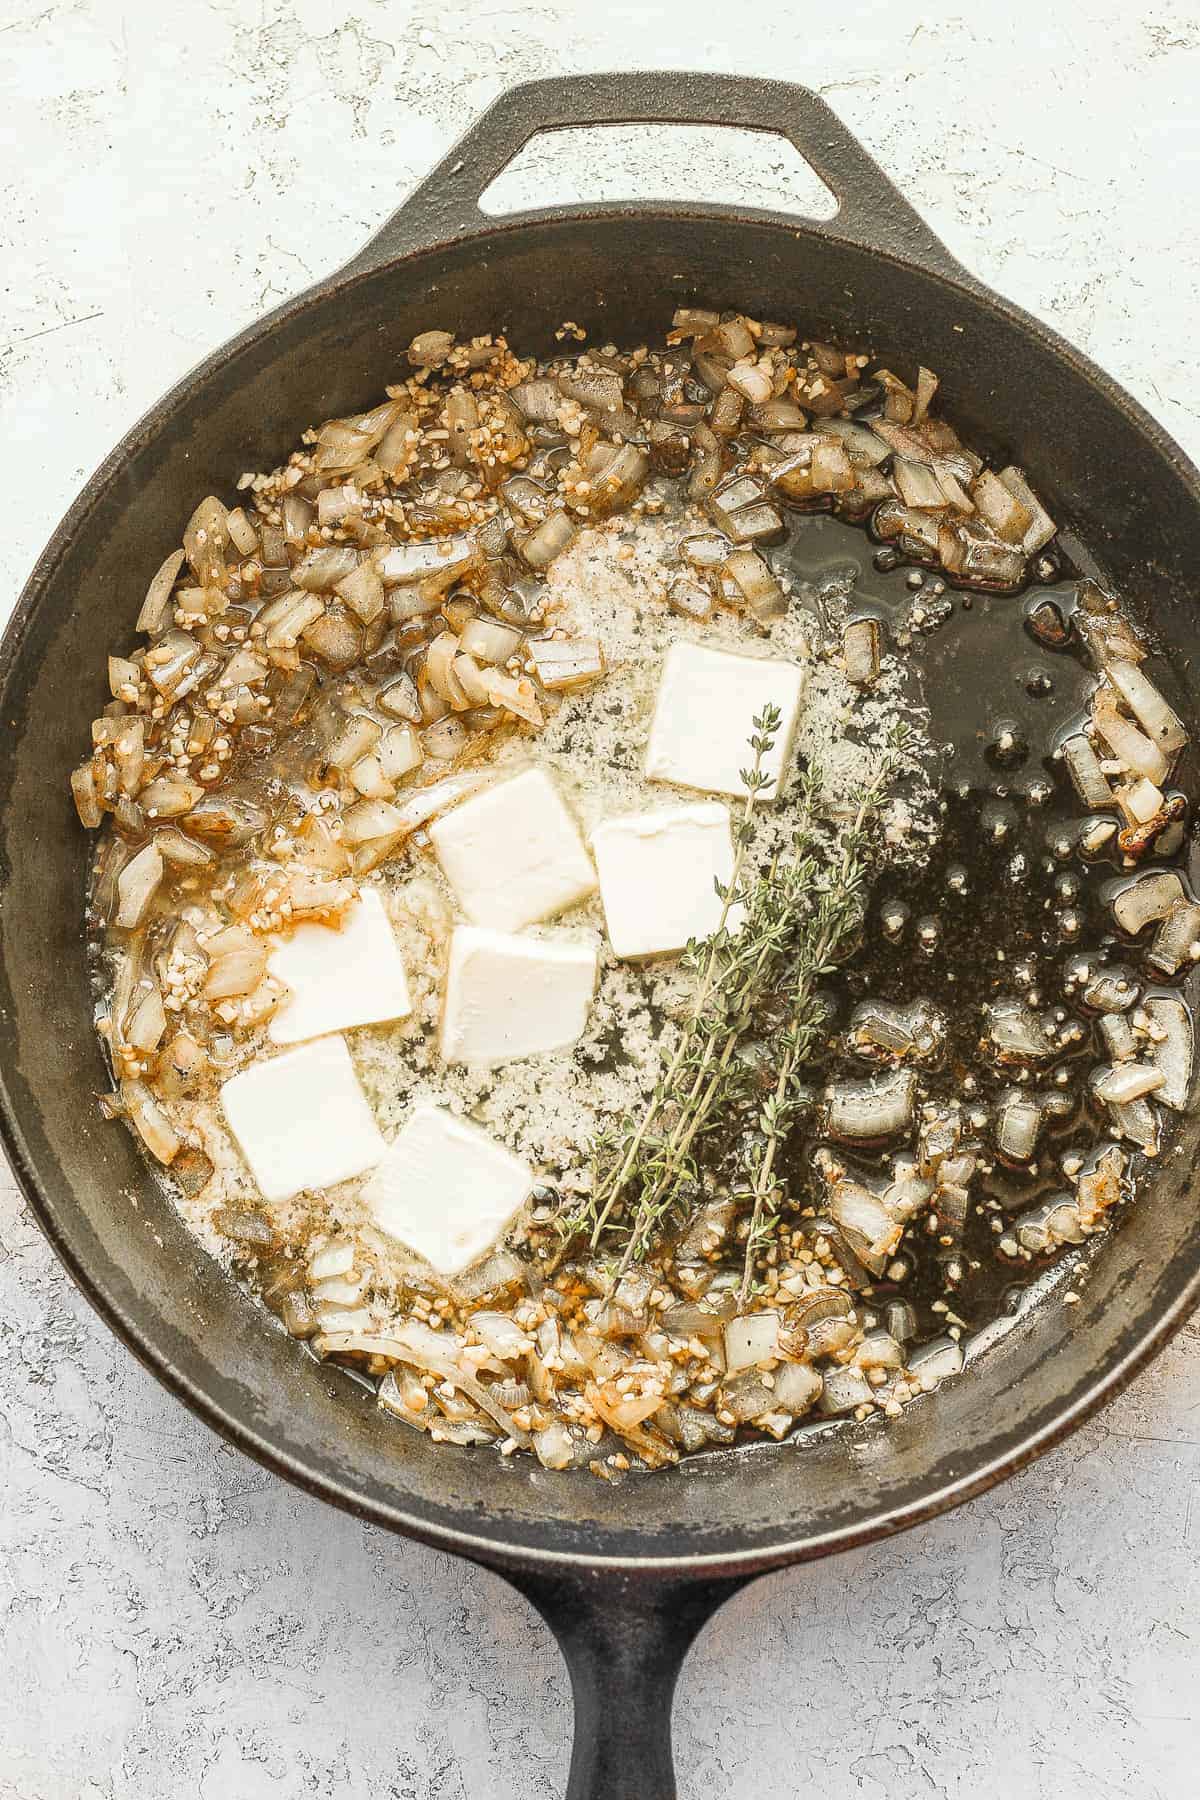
{"points": [[657, 875], [513, 854], [446, 1189], [704, 718], [302, 1120], [509, 997], [339, 976]]}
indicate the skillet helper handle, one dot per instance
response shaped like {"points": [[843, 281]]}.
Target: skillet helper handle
{"points": [[871, 211], [624, 1639]]}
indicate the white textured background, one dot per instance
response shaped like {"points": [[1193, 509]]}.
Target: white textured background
{"points": [[176, 1624]]}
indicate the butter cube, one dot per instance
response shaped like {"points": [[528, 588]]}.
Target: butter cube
{"points": [[657, 876], [704, 718], [302, 1121], [446, 1189], [509, 996], [513, 854], [339, 976]]}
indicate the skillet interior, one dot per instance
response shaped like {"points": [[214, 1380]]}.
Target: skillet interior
{"points": [[1102, 467]]}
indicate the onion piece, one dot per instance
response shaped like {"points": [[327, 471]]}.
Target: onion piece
{"points": [[395, 449], [873, 1231], [934, 1362], [372, 819], [861, 651], [1018, 1125], [999, 507], [439, 671], [336, 1258], [1147, 899], [752, 381], [865, 1112], [488, 641], [446, 738], [845, 1389], [417, 561], [690, 599], [236, 973], [761, 594], [182, 851], [169, 660], [1162, 726], [400, 698], [515, 694], [137, 885], [1120, 1083], [1131, 747], [295, 613], [297, 516], [422, 804], [1120, 1039], [1016, 1033], [1091, 783], [167, 799], [357, 737], [1171, 1048], [156, 607], [797, 1386], [321, 570], [881, 1029], [368, 779], [1137, 1121], [85, 789], [336, 638], [502, 1335], [556, 533], [917, 485], [1041, 527], [878, 1350], [151, 1122], [147, 1023], [399, 752], [230, 822], [205, 538], [362, 590], [751, 1339], [1176, 938], [566, 663], [1106, 632], [413, 1343]]}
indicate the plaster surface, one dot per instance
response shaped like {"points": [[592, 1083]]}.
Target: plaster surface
{"points": [[176, 1624]]}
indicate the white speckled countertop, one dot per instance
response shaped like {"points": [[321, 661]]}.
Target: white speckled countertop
{"points": [[175, 1624]]}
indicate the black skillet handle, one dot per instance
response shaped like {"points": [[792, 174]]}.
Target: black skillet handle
{"points": [[871, 212], [624, 1638]]}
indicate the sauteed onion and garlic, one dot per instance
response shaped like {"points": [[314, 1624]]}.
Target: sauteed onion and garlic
{"points": [[638, 898]]}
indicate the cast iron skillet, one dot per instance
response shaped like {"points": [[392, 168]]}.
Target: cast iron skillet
{"points": [[625, 1576]]}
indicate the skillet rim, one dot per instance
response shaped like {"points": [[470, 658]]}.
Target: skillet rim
{"points": [[496, 1551]]}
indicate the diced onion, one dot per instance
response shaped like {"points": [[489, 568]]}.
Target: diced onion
{"points": [[1148, 898], [137, 885], [868, 1111], [1171, 1048], [934, 1362], [1161, 725], [1176, 938], [1091, 784], [1120, 1083], [751, 1339]]}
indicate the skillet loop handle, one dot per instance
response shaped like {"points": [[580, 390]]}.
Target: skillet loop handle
{"points": [[624, 1639], [871, 211]]}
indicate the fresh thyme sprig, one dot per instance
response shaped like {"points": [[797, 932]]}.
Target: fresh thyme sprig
{"points": [[832, 925], [779, 932], [709, 958]]}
